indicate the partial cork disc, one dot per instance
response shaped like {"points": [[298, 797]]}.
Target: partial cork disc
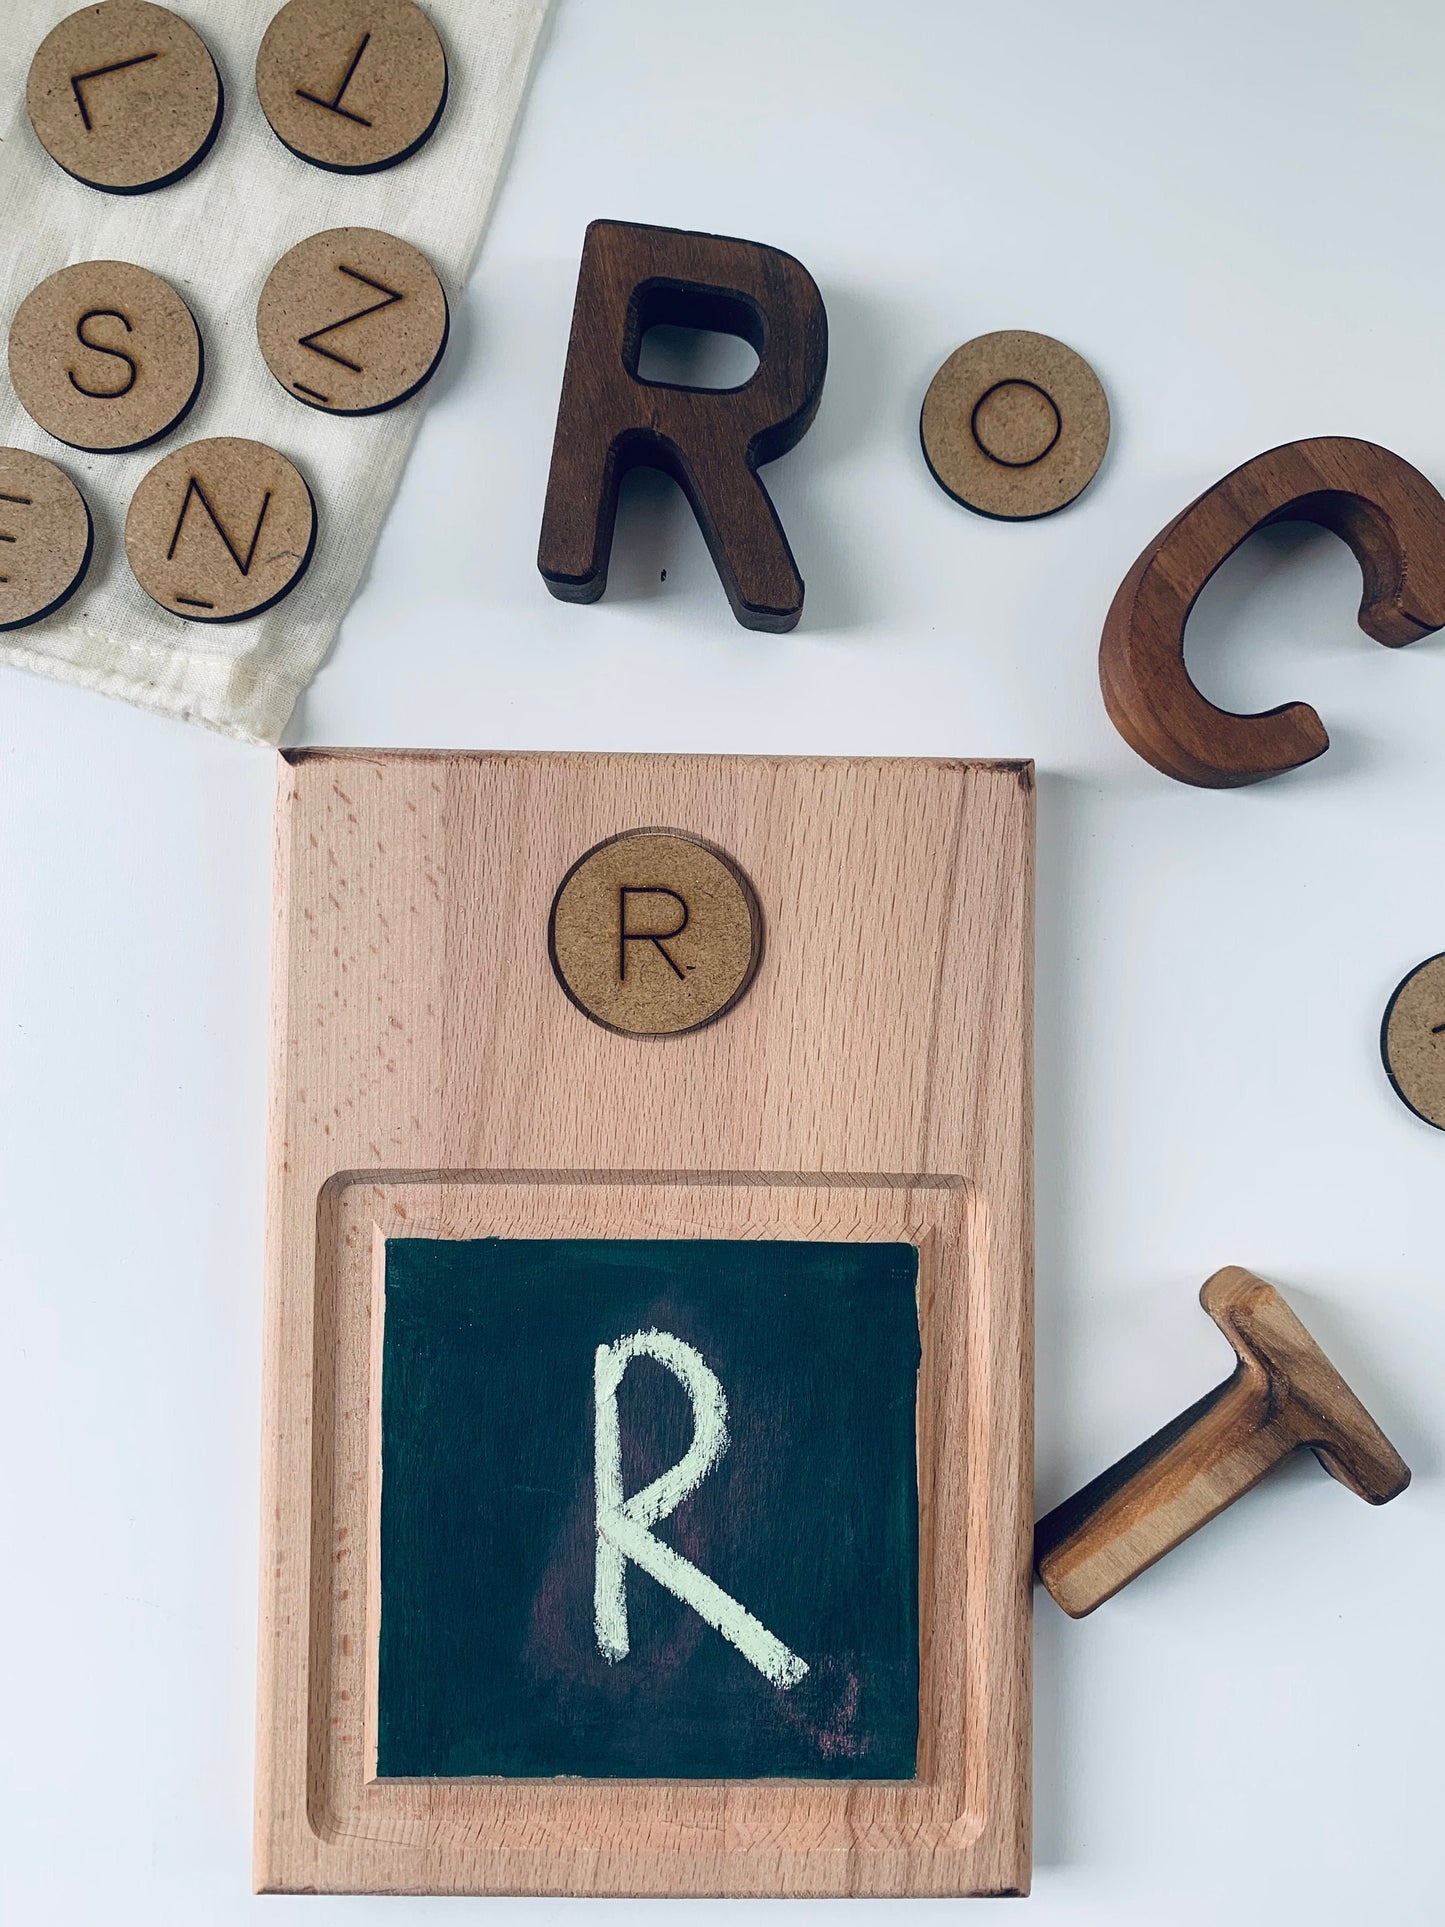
{"points": [[220, 529], [1014, 425], [105, 355], [125, 96], [1412, 1041], [655, 932], [352, 321], [353, 85], [46, 537]]}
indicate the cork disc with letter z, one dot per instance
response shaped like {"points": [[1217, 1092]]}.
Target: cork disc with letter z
{"points": [[654, 933], [1014, 425], [352, 321], [105, 356], [352, 85], [220, 530], [124, 96]]}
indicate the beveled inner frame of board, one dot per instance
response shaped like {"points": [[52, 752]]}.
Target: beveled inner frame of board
{"points": [[942, 1807]]}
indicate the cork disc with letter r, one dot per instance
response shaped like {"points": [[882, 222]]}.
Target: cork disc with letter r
{"points": [[124, 96], [46, 537], [352, 321], [1014, 425], [220, 530], [105, 356], [352, 85], [654, 933], [1412, 1041]]}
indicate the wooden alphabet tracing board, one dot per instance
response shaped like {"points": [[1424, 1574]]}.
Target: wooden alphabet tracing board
{"points": [[648, 1465]]}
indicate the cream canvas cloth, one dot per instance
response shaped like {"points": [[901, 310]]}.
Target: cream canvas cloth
{"points": [[215, 236]]}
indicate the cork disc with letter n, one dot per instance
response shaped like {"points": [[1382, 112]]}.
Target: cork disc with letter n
{"points": [[648, 1442]]}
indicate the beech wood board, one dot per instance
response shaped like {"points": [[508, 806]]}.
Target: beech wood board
{"points": [[430, 1079]]}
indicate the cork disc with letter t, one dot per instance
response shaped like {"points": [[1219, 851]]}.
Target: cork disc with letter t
{"points": [[1014, 425], [220, 529], [124, 96], [352, 85], [654, 933]]}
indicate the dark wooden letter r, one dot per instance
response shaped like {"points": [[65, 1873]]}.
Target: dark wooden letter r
{"points": [[711, 441]]}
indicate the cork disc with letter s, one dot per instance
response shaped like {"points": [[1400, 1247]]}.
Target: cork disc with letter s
{"points": [[352, 321], [105, 356], [655, 932], [125, 96], [220, 529], [1014, 425], [352, 85]]}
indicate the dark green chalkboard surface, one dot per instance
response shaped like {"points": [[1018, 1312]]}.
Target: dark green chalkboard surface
{"points": [[557, 1599]]}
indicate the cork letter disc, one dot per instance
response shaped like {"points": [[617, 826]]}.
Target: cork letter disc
{"points": [[1014, 425], [655, 932], [353, 85], [1412, 1040], [124, 95], [220, 529], [105, 356], [46, 537], [352, 321]]}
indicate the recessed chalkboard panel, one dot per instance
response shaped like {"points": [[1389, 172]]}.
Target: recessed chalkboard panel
{"points": [[534, 1393]]}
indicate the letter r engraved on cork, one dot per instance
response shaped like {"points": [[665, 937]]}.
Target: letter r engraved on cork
{"points": [[659, 939]]}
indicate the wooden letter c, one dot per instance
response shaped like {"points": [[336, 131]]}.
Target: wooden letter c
{"points": [[1393, 520]]}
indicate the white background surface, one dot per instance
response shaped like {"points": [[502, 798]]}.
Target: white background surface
{"points": [[1233, 212]]}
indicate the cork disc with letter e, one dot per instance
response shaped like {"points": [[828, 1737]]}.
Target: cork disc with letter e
{"points": [[352, 321], [105, 356], [46, 537], [352, 85], [1014, 425], [654, 933], [124, 96], [220, 530], [1412, 1041]]}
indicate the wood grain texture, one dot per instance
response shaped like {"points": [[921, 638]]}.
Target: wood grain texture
{"points": [[430, 1078], [712, 442], [1392, 518], [1284, 1394]]}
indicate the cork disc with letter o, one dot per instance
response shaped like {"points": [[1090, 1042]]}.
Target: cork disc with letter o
{"points": [[46, 537], [220, 529], [1412, 1040], [124, 96], [1014, 425], [105, 355], [352, 321], [655, 932], [352, 85]]}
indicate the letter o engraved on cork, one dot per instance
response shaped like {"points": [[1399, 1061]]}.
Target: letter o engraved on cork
{"points": [[352, 321], [124, 96], [219, 530], [1014, 425], [352, 85], [46, 537], [654, 933], [105, 356], [1412, 1041]]}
